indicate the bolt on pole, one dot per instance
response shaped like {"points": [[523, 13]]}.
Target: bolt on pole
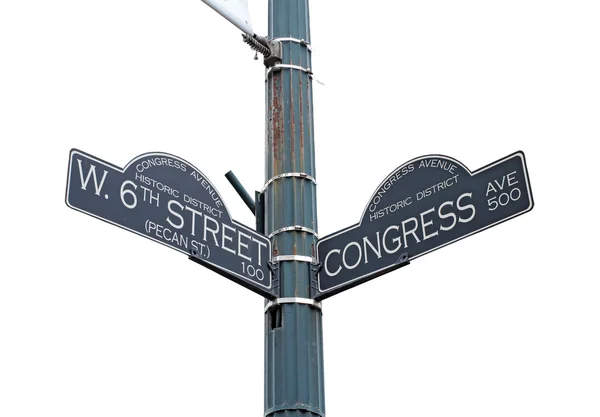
{"points": [[294, 383]]}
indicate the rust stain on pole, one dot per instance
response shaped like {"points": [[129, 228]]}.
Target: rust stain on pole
{"points": [[277, 128], [301, 102], [293, 125]]}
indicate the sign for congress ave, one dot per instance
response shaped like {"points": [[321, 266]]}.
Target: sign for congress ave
{"points": [[425, 204]]}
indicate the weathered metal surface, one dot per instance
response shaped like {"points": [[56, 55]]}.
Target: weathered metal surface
{"points": [[293, 332]]}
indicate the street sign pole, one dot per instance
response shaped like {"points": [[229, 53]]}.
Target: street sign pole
{"points": [[294, 384]]}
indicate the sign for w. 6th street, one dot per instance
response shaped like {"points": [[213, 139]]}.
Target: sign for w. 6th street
{"points": [[425, 204], [168, 200]]}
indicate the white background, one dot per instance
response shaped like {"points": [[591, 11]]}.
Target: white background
{"points": [[97, 321]]}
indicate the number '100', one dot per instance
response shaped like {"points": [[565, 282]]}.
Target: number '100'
{"points": [[252, 272]]}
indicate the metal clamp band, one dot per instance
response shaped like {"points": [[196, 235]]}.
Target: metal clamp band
{"points": [[298, 67], [300, 41], [299, 258], [293, 229], [292, 300], [289, 175], [288, 66]]}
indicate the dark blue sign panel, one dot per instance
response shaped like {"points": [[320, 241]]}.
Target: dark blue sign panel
{"points": [[425, 204], [166, 199]]}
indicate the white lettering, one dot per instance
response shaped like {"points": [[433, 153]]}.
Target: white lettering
{"points": [[397, 239], [425, 224], [224, 238], [467, 207], [244, 245], [209, 230], [410, 232], [181, 222], [332, 274], [376, 251], [344, 255], [91, 173]]}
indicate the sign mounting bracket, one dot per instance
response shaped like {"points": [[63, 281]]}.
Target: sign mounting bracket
{"points": [[197, 258], [274, 268], [315, 268], [319, 295]]}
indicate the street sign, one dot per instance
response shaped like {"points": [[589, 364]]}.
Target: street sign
{"points": [[425, 204], [168, 200]]}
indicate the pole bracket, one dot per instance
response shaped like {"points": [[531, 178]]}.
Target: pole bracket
{"points": [[269, 48], [267, 292], [319, 295], [315, 268], [275, 273], [295, 228], [292, 300], [302, 175], [237, 186], [298, 258], [295, 40], [279, 67]]}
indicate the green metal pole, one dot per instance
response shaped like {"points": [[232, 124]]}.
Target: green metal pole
{"points": [[294, 384]]}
